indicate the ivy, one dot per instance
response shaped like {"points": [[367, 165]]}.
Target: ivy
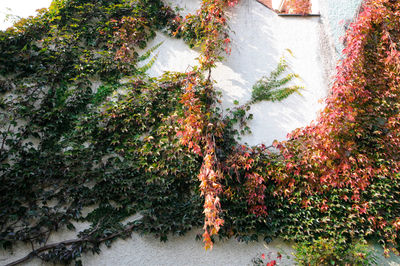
{"points": [[346, 165], [269, 88], [67, 143], [84, 126]]}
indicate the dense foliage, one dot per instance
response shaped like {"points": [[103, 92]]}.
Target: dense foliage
{"points": [[329, 251], [84, 126], [68, 143], [344, 170], [270, 88]]}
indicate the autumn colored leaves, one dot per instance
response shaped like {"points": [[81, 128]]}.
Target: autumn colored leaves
{"points": [[352, 147], [198, 132]]}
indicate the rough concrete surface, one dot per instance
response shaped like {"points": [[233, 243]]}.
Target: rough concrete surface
{"points": [[338, 14]]}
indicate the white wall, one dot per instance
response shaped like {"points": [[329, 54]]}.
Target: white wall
{"points": [[259, 38], [337, 13], [177, 251]]}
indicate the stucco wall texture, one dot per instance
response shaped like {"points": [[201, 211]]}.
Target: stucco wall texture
{"points": [[337, 14], [259, 38]]}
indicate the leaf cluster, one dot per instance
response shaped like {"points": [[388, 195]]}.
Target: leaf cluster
{"points": [[274, 88]]}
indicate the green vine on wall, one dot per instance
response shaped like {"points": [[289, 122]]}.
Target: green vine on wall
{"points": [[68, 143], [273, 88]]}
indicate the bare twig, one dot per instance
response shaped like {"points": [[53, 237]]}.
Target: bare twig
{"points": [[4, 139], [36, 252]]}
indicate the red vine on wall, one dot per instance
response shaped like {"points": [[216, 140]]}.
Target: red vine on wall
{"points": [[197, 131], [356, 139], [243, 160]]}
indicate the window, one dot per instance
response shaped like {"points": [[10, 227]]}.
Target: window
{"points": [[293, 7]]}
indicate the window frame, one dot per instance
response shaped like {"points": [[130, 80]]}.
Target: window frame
{"points": [[278, 5]]}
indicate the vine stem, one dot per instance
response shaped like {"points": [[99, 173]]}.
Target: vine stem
{"points": [[70, 242], [4, 139]]}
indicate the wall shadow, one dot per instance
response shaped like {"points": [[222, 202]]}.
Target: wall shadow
{"points": [[259, 38]]}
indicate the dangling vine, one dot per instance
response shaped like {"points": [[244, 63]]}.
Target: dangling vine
{"points": [[199, 132]]}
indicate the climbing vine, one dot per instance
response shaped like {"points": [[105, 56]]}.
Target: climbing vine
{"points": [[349, 161], [83, 127], [199, 131]]}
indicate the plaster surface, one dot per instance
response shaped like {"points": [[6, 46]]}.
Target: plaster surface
{"points": [[259, 39], [178, 251], [338, 14]]}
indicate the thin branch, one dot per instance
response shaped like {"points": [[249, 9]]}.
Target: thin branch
{"points": [[4, 139], [36, 252]]}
